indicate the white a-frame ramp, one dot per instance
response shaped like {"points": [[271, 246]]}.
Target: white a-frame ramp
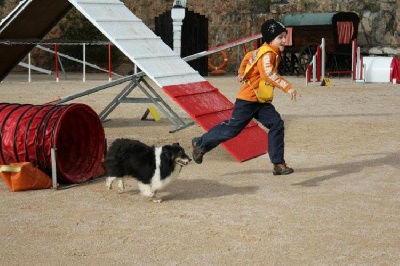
{"points": [[137, 42]]}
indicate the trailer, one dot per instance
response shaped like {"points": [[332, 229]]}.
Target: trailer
{"points": [[305, 32]]}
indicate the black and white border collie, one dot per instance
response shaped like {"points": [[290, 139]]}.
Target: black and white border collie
{"points": [[153, 167]]}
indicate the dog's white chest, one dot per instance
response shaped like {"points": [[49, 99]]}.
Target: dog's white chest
{"points": [[156, 182]]}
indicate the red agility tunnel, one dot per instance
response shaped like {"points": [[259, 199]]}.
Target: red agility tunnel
{"points": [[28, 132]]}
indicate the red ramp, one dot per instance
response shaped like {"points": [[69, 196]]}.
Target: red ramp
{"points": [[208, 107]]}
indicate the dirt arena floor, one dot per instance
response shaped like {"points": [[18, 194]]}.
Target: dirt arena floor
{"points": [[340, 207]]}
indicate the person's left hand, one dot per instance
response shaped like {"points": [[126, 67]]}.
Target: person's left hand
{"points": [[293, 94], [239, 78]]}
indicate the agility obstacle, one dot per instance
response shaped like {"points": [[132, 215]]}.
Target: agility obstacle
{"points": [[58, 55], [29, 133], [316, 68], [380, 69], [58, 61]]}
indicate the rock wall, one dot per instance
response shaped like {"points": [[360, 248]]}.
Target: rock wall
{"points": [[379, 29], [229, 20]]}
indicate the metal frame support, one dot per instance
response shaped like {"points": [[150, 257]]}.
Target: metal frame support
{"points": [[152, 97]]}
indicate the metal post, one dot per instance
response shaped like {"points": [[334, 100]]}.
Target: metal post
{"points": [[109, 63], [53, 167], [358, 65], [56, 59], [84, 62], [29, 68]]}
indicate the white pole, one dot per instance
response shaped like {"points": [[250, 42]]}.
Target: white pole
{"points": [[29, 68], [177, 14], [358, 64], [84, 62], [53, 167]]}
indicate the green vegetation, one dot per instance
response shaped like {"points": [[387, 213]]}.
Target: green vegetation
{"points": [[373, 7]]}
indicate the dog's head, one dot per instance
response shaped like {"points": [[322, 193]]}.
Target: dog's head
{"points": [[176, 154]]}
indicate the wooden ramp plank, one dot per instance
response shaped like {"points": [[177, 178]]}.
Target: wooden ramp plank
{"points": [[29, 22]]}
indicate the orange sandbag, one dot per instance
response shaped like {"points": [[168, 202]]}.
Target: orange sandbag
{"points": [[24, 176]]}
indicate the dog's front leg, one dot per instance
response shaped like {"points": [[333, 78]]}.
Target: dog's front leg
{"points": [[121, 185], [109, 181], [146, 190]]}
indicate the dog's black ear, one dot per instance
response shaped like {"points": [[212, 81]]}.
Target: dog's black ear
{"points": [[176, 144], [167, 151]]}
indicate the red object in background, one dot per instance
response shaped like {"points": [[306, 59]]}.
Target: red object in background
{"points": [[319, 59], [208, 107], [395, 70]]}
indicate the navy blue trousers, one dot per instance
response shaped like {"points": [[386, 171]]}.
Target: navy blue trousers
{"points": [[243, 113]]}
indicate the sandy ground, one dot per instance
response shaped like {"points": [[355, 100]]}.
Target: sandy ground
{"points": [[340, 207]]}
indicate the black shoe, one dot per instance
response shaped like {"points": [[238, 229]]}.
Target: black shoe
{"points": [[282, 169], [197, 154]]}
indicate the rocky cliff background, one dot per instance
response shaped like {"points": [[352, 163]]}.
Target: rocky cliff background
{"points": [[229, 19]]}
